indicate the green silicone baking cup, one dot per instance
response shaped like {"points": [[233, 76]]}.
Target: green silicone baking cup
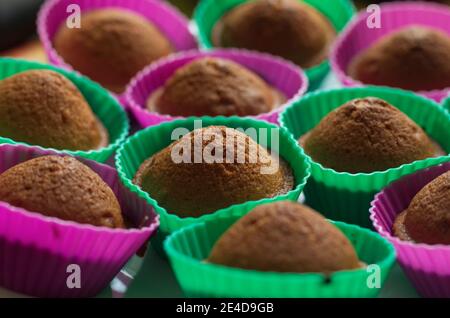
{"points": [[446, 103], [189, 247], [344, 196], [105, 107], [147, 142], [208, 12]]}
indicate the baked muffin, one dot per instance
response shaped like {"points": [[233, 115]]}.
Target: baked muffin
{"points": [[210, 169], [414, 58], [214, 87], [61, 187], [285, 237], [367, 135], [42, 107], [288, 28], [111, 46], [427, 219]]}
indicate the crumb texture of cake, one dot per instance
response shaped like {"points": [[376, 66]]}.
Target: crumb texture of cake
{"points": [[61, 187], [222, 167], [414, 58], [42, 107], [427, 219], [288, 28], [285, 237], [111, 46], [366, 135], [213, 87]]}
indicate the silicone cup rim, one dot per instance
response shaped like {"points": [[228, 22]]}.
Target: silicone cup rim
{"points": [[446, 103]]}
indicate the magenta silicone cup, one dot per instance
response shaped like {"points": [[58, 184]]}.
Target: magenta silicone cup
{"points": [[358, 36], [38, 253], [427, 266], [166, 17], [281, 74]]}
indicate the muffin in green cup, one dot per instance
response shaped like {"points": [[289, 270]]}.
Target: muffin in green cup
{"points": [[150, 141], [191, 249], [104, 106], [345, 196], [209, 12]]}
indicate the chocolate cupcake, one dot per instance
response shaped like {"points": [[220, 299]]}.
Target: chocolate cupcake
{"points": [[366, 135], [61, 187], [285, 237], [212, 87], [426, 220], [42, 107], [287, 28], [415, 58], [210, 169], [111, 46]]}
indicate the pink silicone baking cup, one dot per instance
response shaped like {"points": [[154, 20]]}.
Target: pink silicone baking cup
{"points": [[281, 74], [427, 266], [35, 250], [358, 36], [167, 18]]}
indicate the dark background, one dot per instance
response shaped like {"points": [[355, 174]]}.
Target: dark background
{"points": [[17, 21], [18, 24]]}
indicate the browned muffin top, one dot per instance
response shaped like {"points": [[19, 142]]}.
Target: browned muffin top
{"points": [[111, 46], [414, 58], [205, 185], [287, 28], [212, 87], [42, 107], [61, 187], [285, 237], [366, 135], [427, 219]]}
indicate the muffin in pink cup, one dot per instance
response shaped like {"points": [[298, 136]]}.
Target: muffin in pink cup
{"points": [[40, 252], [427, 265], [223, 67], [405, 30], [111, 40]]}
